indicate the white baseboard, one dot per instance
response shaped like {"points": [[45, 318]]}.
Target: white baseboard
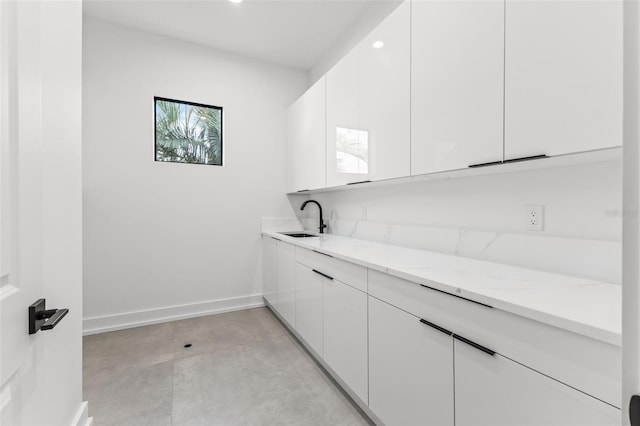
{"points": [[82, 416], [103, 324]]}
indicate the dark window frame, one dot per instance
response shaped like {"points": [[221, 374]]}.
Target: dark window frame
{"points": [[155, 135]]}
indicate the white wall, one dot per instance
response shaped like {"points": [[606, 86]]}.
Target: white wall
{"points": [[158, 235]]}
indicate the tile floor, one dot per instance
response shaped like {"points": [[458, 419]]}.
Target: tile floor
{"points": [[243, 368]]}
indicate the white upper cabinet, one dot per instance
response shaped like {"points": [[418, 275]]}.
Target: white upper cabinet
{"points": [[384, 92], [368, 100], [306, 139], [563, 76], [457, 82]]}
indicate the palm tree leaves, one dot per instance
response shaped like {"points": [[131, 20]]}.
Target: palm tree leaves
{"points": [[188, 133]]}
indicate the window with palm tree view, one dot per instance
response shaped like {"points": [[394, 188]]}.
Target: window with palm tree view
{"points": [[187, 132]]}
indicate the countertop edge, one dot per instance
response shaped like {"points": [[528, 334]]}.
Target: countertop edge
{"points": [[587, 330]]}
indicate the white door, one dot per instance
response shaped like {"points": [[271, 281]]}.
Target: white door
{"points": [[41, 207], [631, 209]]}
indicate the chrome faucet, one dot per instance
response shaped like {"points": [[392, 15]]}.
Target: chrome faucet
{"points": [[322, 225]]}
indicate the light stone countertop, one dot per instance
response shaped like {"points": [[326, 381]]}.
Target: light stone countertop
{"points": [[588, 307]]}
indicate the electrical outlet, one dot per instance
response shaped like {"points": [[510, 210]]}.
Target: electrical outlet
{"points": [[534, 216]]}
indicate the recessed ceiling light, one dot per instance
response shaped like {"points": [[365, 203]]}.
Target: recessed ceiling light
{"points": [[377, 44], [235, 1]]}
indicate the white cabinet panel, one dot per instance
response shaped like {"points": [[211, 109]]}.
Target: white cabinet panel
{"points": [[563, 76], [269, 283], [286, 282], [309, 306], [306, 139], [345, 334], [457, 78], [368, 100], [384, 95], [410, 369], [344, 141], [495, 391]]}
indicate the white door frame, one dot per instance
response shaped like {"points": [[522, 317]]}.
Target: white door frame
{"points": [[631, 209]]}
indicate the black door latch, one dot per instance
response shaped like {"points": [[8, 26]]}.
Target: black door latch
{"points": [[41, 318], [634, 410]]}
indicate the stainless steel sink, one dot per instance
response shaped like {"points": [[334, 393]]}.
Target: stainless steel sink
{"points": [[298, 234]]}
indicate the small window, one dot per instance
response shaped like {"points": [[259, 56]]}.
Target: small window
{"points": [[187, 132]]}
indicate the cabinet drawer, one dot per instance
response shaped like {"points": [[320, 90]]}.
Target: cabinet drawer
{"points": [[586, 364], [348, 273]]}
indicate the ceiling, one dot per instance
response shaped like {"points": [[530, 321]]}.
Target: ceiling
{"points": [[294, 33]]}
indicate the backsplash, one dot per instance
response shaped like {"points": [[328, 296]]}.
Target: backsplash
{"points": [[484, 217]]}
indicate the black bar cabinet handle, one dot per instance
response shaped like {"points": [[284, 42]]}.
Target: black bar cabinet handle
{"points": [[475, 345], [358, 183], [531, 157], [319, 252], [437, 327], [324, 275], [490, 163]]}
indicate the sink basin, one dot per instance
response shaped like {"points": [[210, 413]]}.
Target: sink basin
{"points": [[297, 234]]}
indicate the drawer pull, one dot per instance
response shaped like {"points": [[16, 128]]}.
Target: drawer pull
{"points": [[437, 327], [531, 157], [319, 252], [358, 183], [475, 345], [324, 275], [490, 163]]}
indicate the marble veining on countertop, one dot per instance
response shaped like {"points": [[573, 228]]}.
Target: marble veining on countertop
{"points": [[587, 307]]}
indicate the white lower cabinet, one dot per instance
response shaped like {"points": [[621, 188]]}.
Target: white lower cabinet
{"points": [[410, 369], [397, 347], [345, 334], [309, 306], [286, 295], [496, 391], [269, 277]]}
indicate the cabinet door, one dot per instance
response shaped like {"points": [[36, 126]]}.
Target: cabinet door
{"points": [[457, 83], [563, 89], [286, 282], [307, 139], [368, 100], [493, 390], [410, 369], [345, 334], [269, 259], [346, 157], [384, 58], [309, 306]]}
